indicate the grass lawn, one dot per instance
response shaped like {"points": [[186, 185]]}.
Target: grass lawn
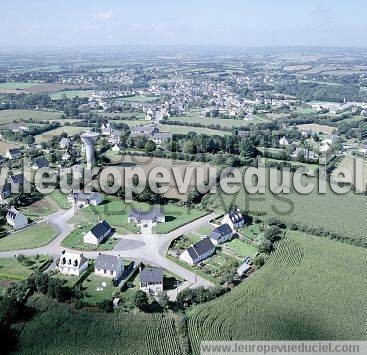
{"points": [[31, 237], [61, 199], [205, 230], [75, 241], [241, 248], [4, 146], [38, 209], [12, 268], [177, 217], [252, 231], [95, 292], [193, 269]]}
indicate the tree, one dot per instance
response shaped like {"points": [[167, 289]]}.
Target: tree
{"points": [[258, 261], [265, 246], [150, 146], [273, 233], [163, 300], [140, 299], [189, 147]]}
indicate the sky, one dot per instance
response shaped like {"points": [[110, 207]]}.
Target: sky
{"points": [[245, 23]]}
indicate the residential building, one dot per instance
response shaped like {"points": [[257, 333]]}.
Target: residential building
{"points": [[111, 266], [98, 233], [13, 153], [81, 199], [283, 141], [16, 219], [16, 181], [115, 137], [40, 162], [221, 234], [5, 191], [198, 251], [154, 215], [106, 129], [151, 280], [65, 143], [234, 219], [72, 263]]}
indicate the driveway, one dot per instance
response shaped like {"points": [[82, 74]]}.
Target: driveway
{"points": [[148, 248]]}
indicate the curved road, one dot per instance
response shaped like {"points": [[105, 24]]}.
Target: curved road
{"points": [[148, 248]]}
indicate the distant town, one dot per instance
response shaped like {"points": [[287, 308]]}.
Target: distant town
{"points": [[171, 264]]}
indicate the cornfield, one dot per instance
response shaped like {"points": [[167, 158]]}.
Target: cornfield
{"points": [[311, 288]]}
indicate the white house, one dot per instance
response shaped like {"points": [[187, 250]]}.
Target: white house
{"points": [[13, 153], [16, 219], [283, 141], [221, 234], [98, 233], [151, 280], [116, 148], [155, 215], [325, 147], [106, 129], [64, 143], [110, 266], [234, 219], [72, 263], [198, 251], [82, 199], [115, 137]]}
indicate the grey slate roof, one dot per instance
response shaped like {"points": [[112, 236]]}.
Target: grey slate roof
{"points": [[236, 217], [17, 179], [107, 262], [200, 248], [151, 274], [155, 212], [13, 151], [6, 188], [41, 162], [100, 229], [220, 231]]}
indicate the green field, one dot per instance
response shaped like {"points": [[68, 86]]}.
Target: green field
{"points": [[340, 214], [69, 130], [139, 98], [311, 288], [185, 129], [61, 199], [69, 94], [177, 217], [195, 116], [31, 237], [16, 85], [124, 333], [12, 268], [11, 116]]}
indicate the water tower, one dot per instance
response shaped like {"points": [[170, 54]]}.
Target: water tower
{"points": [[89, 138]]}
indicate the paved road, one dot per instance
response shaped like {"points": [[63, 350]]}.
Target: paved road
{"points": [[148, 248]]}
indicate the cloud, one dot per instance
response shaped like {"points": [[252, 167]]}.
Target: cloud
{"points": [[104, 15]]}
